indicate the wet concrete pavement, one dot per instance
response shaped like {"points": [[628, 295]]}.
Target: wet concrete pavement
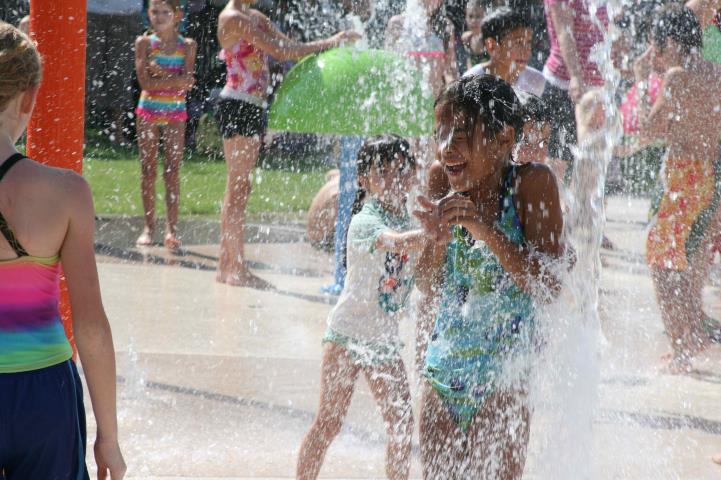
{"points": [[222, 382]]}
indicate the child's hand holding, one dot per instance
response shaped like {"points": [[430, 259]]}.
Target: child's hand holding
{"points": [[457, 209], [429, 215]]}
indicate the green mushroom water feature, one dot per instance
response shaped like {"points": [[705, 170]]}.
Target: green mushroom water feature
{"points": [[349, 91], [352, 92]]}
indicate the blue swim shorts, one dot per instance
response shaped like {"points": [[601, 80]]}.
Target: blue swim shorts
{"points": [[42, 424]]}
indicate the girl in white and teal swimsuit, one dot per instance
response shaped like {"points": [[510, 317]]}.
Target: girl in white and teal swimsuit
{"points": [[362, 335], [505, 224]]}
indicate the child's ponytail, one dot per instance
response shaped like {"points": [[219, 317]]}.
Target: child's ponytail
{"points": [[360, 196]]}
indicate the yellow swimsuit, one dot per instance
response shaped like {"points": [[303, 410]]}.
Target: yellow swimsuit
{"points": [[689, 201]]}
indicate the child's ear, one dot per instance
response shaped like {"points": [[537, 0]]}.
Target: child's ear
{"points": [[27, 102], [506, 139]]}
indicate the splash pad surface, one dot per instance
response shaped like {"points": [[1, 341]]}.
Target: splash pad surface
{"points": [[222, 382], [349, 91]]}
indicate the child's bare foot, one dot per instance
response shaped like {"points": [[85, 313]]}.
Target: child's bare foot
{"points": [[244, 279], [145, 239], [712, 328], [607, 243], [675, 365], [716, 459], [171, 242]]}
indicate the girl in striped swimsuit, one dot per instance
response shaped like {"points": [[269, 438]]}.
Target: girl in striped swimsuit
{"points": [[164, 62]]}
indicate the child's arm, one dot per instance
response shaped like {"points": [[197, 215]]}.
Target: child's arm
{"points": [[429, 273], [257, 30], [539, 210], [90, 324], [451, 68], [412, 241], [654, 123], [191, 52], [142, 66], [562, 16]]}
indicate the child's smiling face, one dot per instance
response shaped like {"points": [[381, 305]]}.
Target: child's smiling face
{"points": [[163, 17], [469, 156], [390, 182], [514, 49]]}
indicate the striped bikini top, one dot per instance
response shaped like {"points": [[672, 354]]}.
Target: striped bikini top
{"points": [[173, 63], [31, 332]]}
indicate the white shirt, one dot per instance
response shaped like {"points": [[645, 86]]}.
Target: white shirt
{"points": [[530, 80], [378, 283]]}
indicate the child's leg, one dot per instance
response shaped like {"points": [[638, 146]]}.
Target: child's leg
{"points": [[680, 301], [389, 385], [426, 317], [498, 437], [241, 155], [702, 330], [441, 438], [337, 381], [148, 137], [174, 146]]}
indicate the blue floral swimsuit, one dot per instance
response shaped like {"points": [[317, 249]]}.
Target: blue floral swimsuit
{"points": [[484, 318]]}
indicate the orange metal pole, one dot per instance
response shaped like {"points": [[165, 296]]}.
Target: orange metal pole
{"points": [[57, 128]]}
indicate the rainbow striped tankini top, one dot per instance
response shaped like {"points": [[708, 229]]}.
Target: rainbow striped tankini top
{"points": [[31, 332], [164, 106]]}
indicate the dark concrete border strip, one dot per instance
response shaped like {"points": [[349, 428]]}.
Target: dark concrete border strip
{"points": [[665, 421], [363, 434]]}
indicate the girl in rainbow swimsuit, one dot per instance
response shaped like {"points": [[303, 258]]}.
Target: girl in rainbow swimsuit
{"points": [[164, 62], [46, 218]]}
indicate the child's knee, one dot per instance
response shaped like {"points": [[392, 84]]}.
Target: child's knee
{"points": [[328, 425], [149, 169]]}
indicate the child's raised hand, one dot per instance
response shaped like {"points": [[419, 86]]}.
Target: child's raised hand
{"points": [[429, 215], [345, 37], [458, 209]]}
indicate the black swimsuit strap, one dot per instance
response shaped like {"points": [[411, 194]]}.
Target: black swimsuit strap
{"points": [[4, 227], [10, 163]]}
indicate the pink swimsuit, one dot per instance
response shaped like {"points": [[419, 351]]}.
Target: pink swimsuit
{"points": [[248, 75]]}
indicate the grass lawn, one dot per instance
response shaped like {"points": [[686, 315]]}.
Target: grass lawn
{"points": [[114, 175]]}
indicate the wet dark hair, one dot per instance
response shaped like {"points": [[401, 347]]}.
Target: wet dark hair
{"points": [[502, 21], [534, 108], [378, 152], [635, 21], [485, 98], [680, 24]]}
